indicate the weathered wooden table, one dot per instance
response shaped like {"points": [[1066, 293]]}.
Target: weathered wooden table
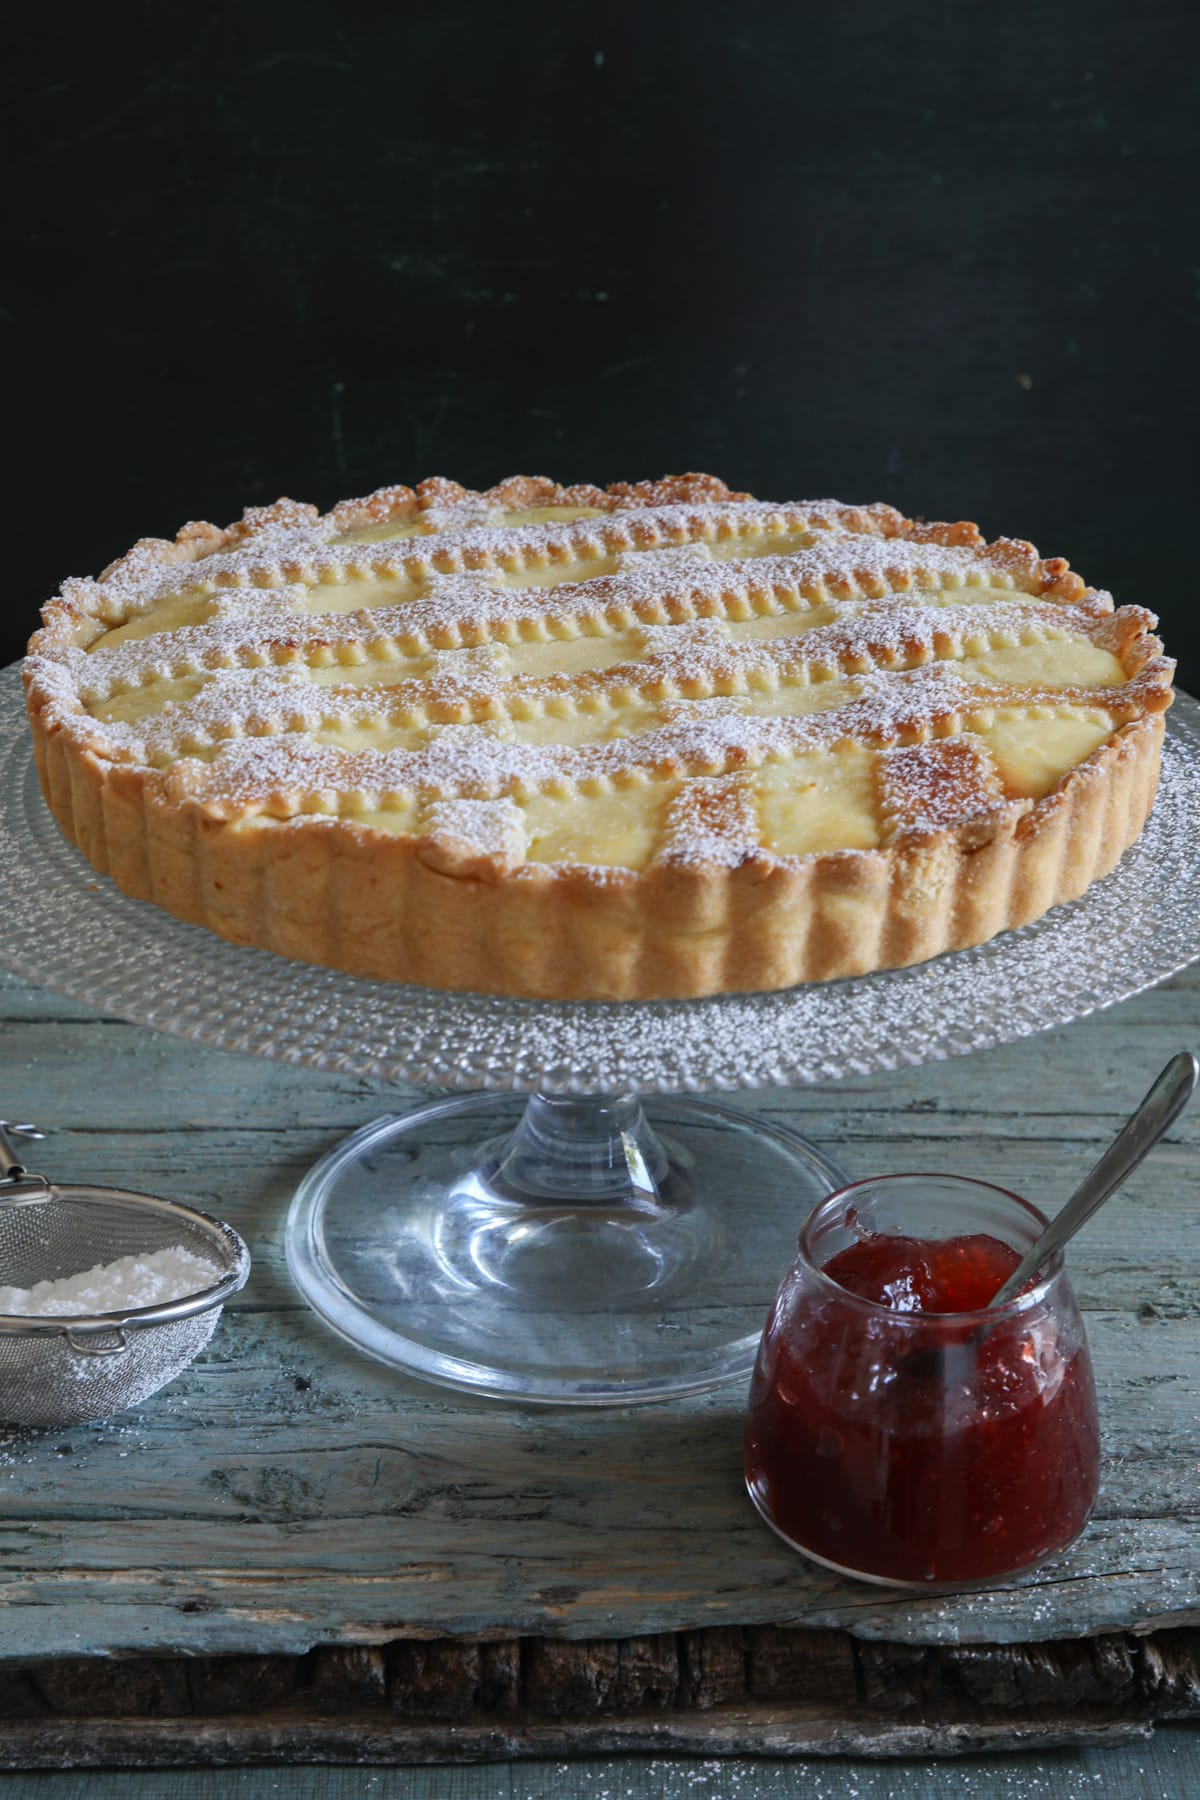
{"points": [[294, 1554]]}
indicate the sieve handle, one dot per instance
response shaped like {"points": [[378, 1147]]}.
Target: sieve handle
{"points": [[86, 1344], [12, 1169]]}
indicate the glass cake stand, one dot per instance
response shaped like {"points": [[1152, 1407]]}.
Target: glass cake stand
{"points": [[575, 1246]]}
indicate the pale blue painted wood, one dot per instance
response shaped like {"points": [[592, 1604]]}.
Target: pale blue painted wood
{"points": [[361, 1505]]}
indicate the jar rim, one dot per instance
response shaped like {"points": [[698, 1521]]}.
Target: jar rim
{"points": [[1029, 1300]]}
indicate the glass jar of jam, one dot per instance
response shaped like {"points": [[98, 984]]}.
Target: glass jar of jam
{"points": [[899, 1432]]}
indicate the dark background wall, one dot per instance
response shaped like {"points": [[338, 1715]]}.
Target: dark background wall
{"points": [[941, 254]]}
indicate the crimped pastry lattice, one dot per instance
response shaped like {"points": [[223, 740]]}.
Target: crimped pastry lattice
{"points": [[651, 741]]}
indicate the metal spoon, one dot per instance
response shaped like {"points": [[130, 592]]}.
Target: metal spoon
{"points": [[1161, 1107]]}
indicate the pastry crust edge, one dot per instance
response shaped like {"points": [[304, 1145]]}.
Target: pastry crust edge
{"points": [[328, 890]]}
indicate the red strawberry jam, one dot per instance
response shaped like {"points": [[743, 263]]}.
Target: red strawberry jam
{"points": [[897, 1442]]}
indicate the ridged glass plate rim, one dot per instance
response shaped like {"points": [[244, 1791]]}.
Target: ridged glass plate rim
{"points": [[70, 930]]}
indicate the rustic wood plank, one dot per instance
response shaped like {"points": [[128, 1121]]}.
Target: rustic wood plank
{"points": [[865, 1691], [391, 1465], [1167, 1765], [271, 1594], [790, 1731], [286, 1493]]}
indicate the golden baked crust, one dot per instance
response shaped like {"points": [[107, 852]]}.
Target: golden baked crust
{"points": [[655, 740]]}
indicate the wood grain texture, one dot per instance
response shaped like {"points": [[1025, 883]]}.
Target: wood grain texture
{"points": [[1166, 1767], [785, 1732], [422, 1696], [285, 1493]]}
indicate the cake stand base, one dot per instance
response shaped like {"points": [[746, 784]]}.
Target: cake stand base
{"points": [[575, 1250]]}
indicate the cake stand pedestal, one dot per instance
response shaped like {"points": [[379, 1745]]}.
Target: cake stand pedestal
{"points": [[580, 1246], [584, 1250]]}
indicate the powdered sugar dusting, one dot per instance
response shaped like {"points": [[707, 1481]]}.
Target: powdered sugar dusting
{"points": [[713, 823], [927, 787], [489, 827], [292, 547], [484, 761], [716, 597], [449, 610]]}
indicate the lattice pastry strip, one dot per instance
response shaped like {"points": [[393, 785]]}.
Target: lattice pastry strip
{"points": [[927, 788], [186, 710], [223, 628], [713, 820]]}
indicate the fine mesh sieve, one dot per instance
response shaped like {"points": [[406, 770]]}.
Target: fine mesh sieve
{"points": [[64, 1369]]}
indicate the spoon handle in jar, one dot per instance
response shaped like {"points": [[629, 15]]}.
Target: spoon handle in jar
{"points": [[1161, 1107]]}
